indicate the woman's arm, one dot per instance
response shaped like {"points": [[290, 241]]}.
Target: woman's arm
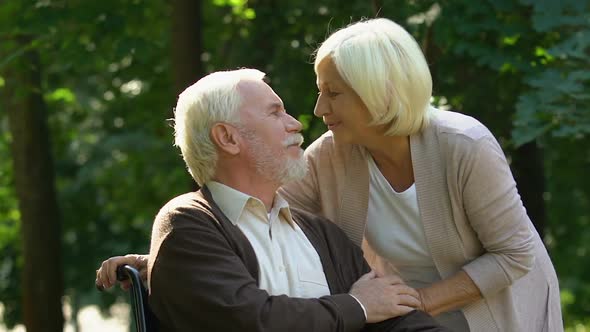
{"points": [[495, 212], [449, 294]]}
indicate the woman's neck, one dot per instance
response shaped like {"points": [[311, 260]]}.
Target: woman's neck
{"points": [[393, 157], [394, 150]]}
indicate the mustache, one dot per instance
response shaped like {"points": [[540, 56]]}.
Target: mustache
{"points": [[295, 139]]}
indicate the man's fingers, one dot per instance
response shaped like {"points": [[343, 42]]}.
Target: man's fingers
{"points": [[408, 300], [405, 289], [125, 284], [111, 273], [402, 310], [393, 279], [368, 276], [98, 285], [106, 275]]}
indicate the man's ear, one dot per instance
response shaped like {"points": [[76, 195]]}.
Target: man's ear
{"points": [[226, 137]]}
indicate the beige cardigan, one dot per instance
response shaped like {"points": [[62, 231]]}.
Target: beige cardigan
{"points": [[471, 211]]}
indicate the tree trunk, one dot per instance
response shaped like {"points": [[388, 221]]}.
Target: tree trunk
{"points": [[35, 188], [186, 43], [186, 46], [527, 165]]}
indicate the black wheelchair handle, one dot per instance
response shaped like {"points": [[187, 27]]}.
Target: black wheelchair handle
{"points": [[122, 275], [122, 272]]}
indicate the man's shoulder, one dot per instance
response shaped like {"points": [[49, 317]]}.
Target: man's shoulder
{"points": [[183, 210], [188, 200]]}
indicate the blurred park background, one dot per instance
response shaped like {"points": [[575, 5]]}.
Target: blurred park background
{"points": [[87, 88]]}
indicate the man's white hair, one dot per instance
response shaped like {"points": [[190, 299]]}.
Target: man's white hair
{"points": [[385, 66], [212, 99]]}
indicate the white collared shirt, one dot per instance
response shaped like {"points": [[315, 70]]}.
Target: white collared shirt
{"points": [[288, 262]]}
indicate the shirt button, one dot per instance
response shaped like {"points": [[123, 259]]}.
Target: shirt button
{"points": [[281, 268]]}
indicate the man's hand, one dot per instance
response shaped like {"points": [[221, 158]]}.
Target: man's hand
{"points": [[384, 297], [106, 275]]}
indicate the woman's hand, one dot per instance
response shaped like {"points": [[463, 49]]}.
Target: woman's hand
{"points": [[448, 294], [106, 275], [422, 298]]}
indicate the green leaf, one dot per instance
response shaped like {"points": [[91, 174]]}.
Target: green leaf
{"points": [[249, 14], [510, 40], [62, 94]]}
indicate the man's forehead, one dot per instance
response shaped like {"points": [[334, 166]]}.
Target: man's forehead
{"points": [[254, 86], [259, 92]]}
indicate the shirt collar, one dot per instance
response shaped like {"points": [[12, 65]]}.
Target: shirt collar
{"points": [[233, 202], [281, 204]]}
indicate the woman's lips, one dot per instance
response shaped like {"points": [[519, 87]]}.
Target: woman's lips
{"points": [[331, 126]]}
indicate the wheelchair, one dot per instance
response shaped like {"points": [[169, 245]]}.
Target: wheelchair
{"points": [[143, 317]]}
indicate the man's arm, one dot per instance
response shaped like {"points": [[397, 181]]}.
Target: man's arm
{"points": [[385, 295], [197, 280]]}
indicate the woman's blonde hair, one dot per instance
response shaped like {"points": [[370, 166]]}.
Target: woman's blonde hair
{"points": [[385, 66], [212, 99]]}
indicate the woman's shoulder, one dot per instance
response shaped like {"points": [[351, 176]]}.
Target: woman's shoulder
{"points": [[327, 148], [457, 126], [322, 143]]}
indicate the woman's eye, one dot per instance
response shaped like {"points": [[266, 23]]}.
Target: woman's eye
{"points": [[328, 93]]}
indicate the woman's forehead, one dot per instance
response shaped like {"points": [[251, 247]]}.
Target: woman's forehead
{"points": [[328, 73]]}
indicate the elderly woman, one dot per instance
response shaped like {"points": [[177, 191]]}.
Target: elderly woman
{"points": [[428, 194]]}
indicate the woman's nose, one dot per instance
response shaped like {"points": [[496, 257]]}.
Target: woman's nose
{"points": [[321, 108]]}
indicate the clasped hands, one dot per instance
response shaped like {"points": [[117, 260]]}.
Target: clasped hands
{"points": [[385, 297]]}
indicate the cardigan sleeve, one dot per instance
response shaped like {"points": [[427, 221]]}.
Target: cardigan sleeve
{"points": [[495, 211], [198, 281]]}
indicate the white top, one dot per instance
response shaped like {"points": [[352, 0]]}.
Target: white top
{"points": [[287, 261], [395, 231]]}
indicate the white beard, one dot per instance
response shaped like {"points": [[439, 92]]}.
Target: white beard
{"points": [[281, 168]]}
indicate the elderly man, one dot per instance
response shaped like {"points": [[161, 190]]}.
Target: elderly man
{"points": [[233, 255]]}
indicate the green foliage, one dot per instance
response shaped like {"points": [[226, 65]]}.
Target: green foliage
{"points": [[11, 258], [527, 61], [519, 66], [568, 202], [558, 99], [106, 84]]}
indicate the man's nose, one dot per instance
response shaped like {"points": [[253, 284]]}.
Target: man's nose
{"points": [[294, 124]]}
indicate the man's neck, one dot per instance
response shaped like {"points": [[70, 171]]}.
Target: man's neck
{"points": [[255, 186]]}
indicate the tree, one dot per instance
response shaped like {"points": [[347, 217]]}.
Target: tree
{"points": [[35, 188], [109, 84], [186, 43]]}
